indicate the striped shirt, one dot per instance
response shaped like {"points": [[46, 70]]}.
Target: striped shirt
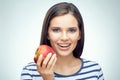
{"points": [[89, 71]]}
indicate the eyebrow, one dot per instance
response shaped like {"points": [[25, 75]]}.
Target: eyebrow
{"points": [[59, 27]]}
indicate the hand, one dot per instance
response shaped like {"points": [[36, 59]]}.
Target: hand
{"points": [[46, 67]]}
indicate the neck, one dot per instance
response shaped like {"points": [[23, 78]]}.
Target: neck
{"points": [[65, 61], [67, 65]]}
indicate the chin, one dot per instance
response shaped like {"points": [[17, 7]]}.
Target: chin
{"points": [[63, 53]]}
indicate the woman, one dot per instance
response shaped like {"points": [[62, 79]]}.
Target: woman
{"points": [[63, 30]]}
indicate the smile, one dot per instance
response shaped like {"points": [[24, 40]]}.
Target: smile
{"points": [[64, 46]]}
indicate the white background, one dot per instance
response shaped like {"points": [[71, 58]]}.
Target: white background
{"points": [[20, 29]]}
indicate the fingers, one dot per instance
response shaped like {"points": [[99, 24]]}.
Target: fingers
{"points": [[48, 62], [52, 62], [39, 62], [45, 66]]}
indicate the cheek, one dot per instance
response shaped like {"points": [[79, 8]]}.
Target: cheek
{"points": [[53, 37], [74, 40], [75, 37]]}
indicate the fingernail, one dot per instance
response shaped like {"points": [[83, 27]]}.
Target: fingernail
{"points": [[41, 55], [54, 55], [50, 53]]}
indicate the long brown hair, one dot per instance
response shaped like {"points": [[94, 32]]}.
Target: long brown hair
{"points": [[60, 9]]}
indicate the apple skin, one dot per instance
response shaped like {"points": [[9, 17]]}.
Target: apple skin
{"points": [[44, 50]]}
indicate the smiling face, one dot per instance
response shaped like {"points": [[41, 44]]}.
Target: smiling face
{"points": [[63, 34]]}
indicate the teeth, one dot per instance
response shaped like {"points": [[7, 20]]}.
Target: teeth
{"points": [[64, 45]]}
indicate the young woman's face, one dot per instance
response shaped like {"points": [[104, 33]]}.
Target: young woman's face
{"points": [[63, 34]]}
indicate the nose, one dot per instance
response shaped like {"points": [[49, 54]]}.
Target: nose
{"points": [[64, 36]]}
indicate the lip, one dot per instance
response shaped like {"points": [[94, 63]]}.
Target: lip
{"points": [[64, 46]]}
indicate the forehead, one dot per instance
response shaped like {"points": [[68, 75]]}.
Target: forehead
{"points": [[64, 21]]}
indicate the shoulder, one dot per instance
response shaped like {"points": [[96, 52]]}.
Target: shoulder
{"points": [[88, 63], [92, 68], [29, 71], [30, 66]]}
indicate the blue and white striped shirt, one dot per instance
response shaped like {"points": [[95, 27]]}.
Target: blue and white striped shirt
{"points": [[89, 71]]}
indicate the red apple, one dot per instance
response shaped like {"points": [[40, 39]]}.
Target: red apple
{"points": [[44, 50]]}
